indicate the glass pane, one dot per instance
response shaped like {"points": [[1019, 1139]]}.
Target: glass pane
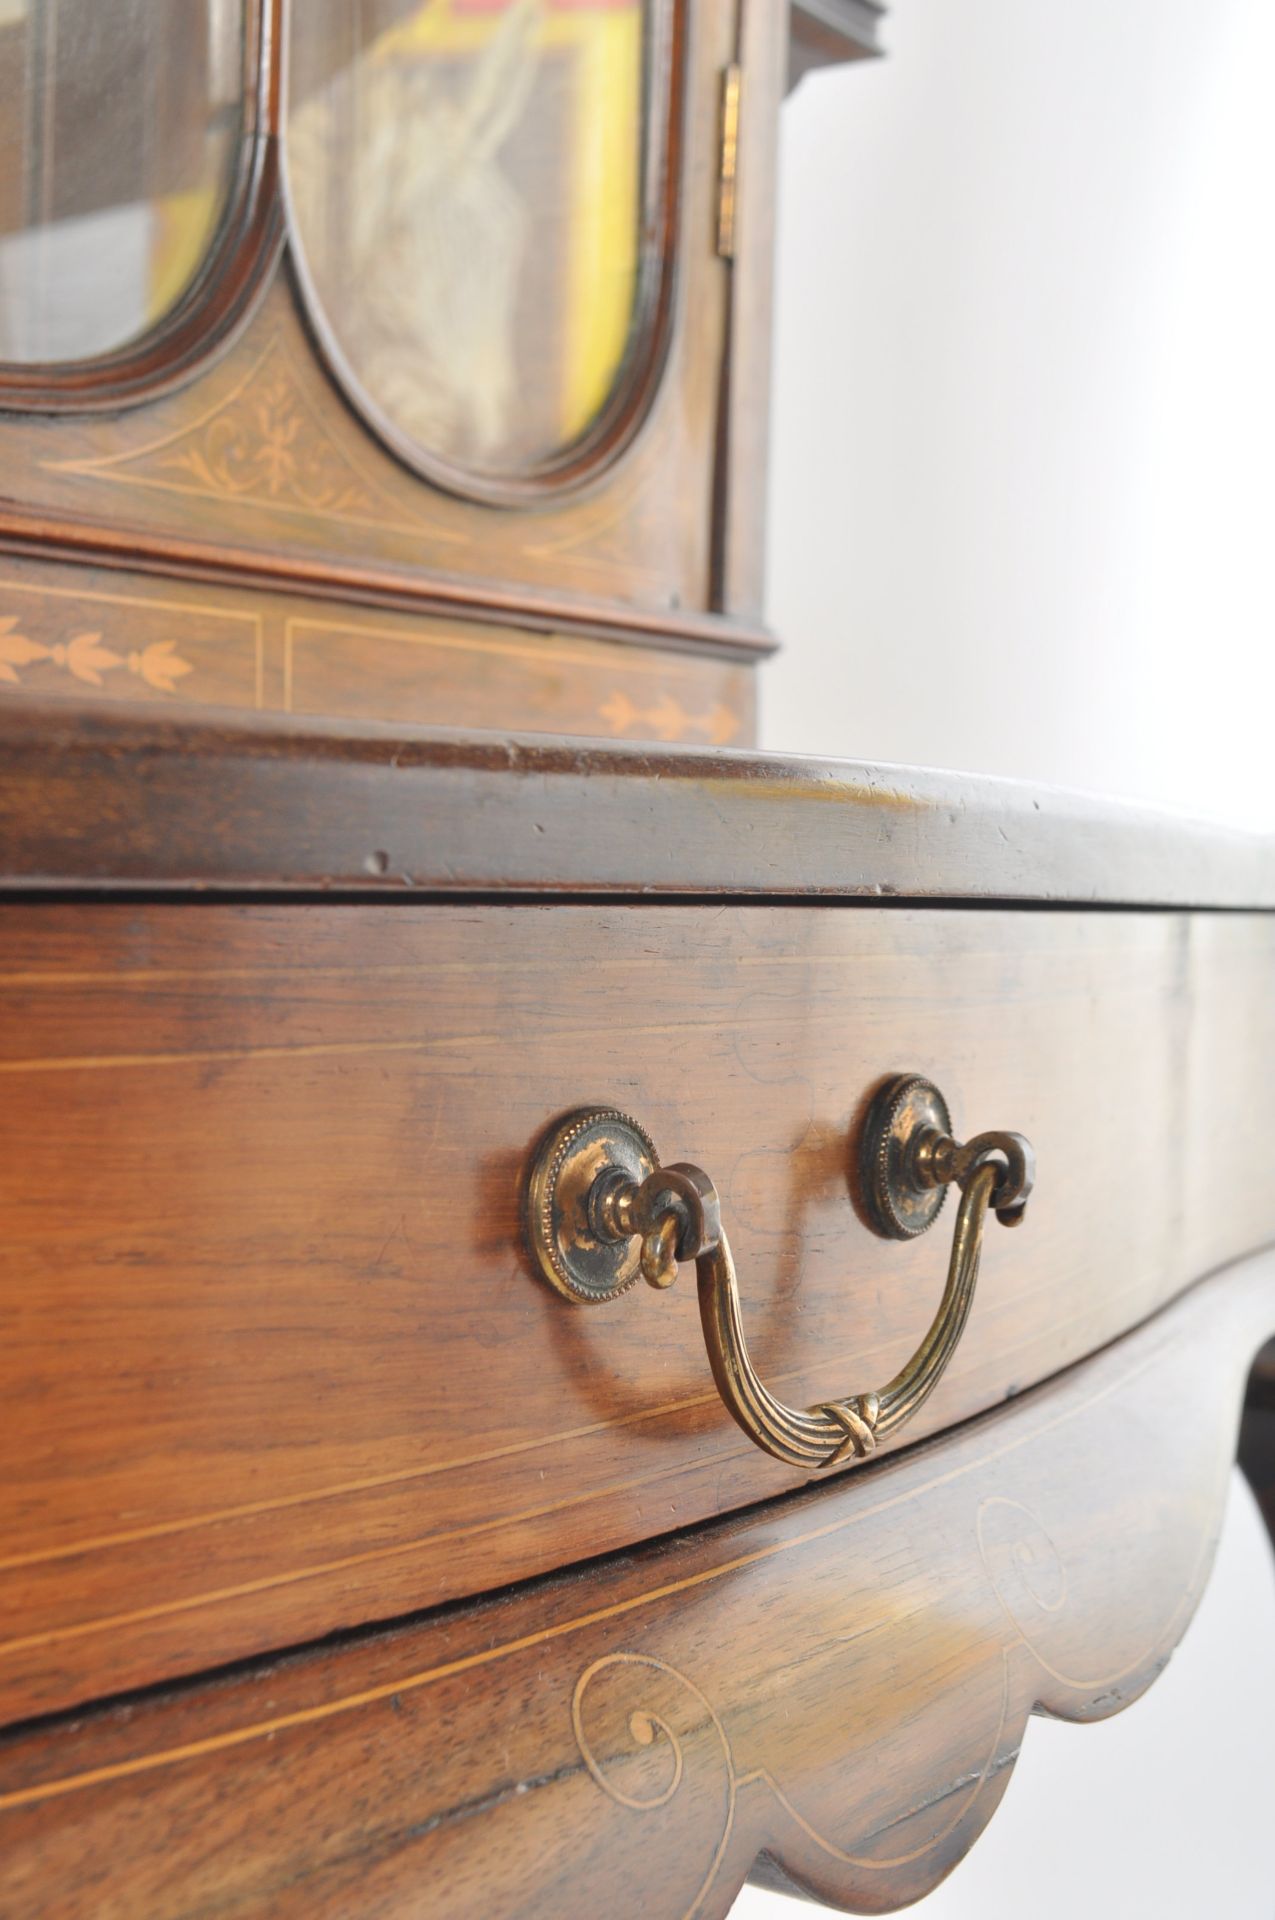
{"points": [[119, 126], [466, 183]]}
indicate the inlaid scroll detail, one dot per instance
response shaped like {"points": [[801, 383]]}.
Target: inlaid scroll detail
{"points": [[618, 1742], [262, 445], [637, 1753], [1022, 1561]]}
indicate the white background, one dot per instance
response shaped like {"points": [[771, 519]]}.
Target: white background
{"points": [[1023, 522]]}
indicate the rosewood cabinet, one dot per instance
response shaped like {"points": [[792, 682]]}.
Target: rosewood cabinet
{"points": [[397, 935]]}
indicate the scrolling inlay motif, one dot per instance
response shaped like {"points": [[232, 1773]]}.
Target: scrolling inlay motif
{"points": [[648, 1728], [1026, 1573], [263, 445]]}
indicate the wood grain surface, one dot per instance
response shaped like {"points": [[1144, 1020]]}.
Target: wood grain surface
{"points": [[132, 799], [837, 1683], [274, 1361], [99, 634]]}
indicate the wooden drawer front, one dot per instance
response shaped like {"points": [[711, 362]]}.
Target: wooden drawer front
{"points": [[273, 1358]]}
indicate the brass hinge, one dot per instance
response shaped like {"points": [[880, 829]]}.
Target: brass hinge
{"points": [[728, 160]]}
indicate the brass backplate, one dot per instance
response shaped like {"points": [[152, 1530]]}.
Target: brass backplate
{"points": [[567, 1248], [905, 1109]]}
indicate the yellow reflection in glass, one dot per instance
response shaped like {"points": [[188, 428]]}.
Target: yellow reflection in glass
{"points": [[467, 189], [183, 225]]}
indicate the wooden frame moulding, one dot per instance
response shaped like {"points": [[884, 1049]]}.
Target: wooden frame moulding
{"points": [[222, 294], [122, 799]]}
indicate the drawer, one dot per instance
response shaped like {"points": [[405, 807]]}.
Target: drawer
{"points": [[276, 1360]]}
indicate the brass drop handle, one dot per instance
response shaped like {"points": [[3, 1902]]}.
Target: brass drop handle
{"points": [[602, 1211]]}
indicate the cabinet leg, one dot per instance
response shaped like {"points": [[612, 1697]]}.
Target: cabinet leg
{"points": [[1257, 1435]]}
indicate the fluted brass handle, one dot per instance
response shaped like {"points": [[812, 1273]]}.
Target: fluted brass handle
{"points": [[601, 1211]]}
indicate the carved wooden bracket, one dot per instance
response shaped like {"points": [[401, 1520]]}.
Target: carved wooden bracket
{"points": [[824, 33]]}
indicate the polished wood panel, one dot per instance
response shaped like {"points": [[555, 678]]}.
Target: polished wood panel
{"points": [[274, 1359], [101, 635], [324, 807], [94, 635], [837, 1685]]}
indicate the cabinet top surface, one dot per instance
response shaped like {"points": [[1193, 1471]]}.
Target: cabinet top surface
{"points": [[188, 803]]}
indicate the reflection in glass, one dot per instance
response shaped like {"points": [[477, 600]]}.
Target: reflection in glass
{"points": [[119, 127], [465, 181]]}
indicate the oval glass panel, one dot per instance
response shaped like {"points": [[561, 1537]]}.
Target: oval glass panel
{"points": [[466, 184], [120, 127]]}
